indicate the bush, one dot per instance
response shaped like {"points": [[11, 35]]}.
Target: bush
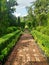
{"points": [[4, 41], [43, 41], [39, 28], [7, 30], [7, 42], [22, 26], [45, 30], [11, 29]]}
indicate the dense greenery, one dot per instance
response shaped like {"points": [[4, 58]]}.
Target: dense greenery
{"points": [[38, 23], [6, 17], [7, 42], [44, 30], [10, 30], [42, 40], [39, 14]]}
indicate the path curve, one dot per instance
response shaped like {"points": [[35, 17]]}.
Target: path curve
{"points": [[26, 52]]}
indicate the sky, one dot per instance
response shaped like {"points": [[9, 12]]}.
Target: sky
{"points": [[21, 8]]}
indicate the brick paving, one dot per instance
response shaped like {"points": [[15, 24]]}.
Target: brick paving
{"points": [[26, 52]]}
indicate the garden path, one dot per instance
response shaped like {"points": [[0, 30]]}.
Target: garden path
{"points": [[26, 52]]}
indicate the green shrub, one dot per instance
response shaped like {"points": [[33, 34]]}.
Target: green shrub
{"points": [[11, 29], [43, 41], [4, 41], [39, 28], [7, 30], [7, 42], [45, 30]]}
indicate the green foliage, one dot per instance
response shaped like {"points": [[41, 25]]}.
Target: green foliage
{"points": [[38, 28], [29, 24], [7, 42], [44, 30], [41, 6], [11, 29], [43, 19], [5, 39], [22, 25], [40, 11], [6, 17], [38, 15], [31, 19], [43, 41], [38, 20], [19, 21]]}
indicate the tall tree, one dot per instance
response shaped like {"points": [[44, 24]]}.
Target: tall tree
{"points": [[6, 10], [40, 10], [41, 6], [19, 21], [10, 5], [31, 17]]}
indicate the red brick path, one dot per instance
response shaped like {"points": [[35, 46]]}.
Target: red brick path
{"points": [[26, 52]]}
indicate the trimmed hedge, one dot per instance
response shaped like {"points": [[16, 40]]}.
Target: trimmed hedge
{"points": [[4, 41], [43, 41], [7, 42], [8, 30], [11, 29], [42, 29]]}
